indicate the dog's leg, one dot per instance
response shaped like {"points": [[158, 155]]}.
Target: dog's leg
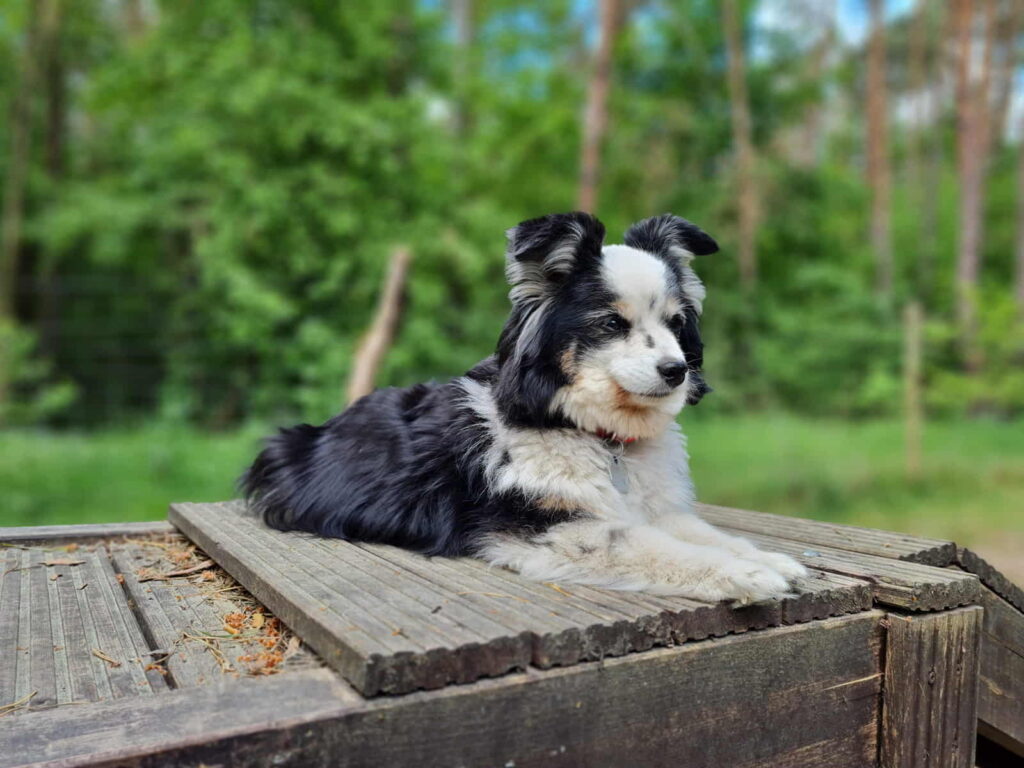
{"points": [[689, 528], [636, 558]]}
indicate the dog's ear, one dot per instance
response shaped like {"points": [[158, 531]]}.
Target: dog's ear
{"points": [[543, 252], [670, 236]]}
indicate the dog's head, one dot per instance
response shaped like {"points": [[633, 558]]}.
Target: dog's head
{"points": [[604, 337]]}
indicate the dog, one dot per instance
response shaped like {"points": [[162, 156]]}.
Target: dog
{"points": [[559, 456]]}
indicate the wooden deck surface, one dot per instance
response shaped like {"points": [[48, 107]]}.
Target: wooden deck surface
{"points": [[393, 622], [126, 644]]}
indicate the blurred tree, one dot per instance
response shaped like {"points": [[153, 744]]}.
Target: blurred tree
{"points": [[463, 22], [595, 115], [746, 183], [879, 173], [924, 150], [808, 150], [1019, 281], [972, 143], [215, 187]]}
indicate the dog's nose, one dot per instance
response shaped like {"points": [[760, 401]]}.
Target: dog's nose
{"points": [[673, 372]]}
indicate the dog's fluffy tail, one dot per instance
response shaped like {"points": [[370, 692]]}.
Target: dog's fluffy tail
{"points": [[274, 485]]}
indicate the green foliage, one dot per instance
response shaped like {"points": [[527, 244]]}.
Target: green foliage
{"points": [[238, 172], [31, 396], [997, 388]]}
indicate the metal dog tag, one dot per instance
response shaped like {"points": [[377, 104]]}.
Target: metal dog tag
{"points": [[617, 472]]}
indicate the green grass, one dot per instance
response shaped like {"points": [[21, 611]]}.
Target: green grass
{"points": [[111, 476], [971, 488]]}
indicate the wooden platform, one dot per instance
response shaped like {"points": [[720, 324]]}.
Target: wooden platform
{"points": [[137, 645]]}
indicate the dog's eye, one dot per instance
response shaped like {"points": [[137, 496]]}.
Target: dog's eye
{"points": [[615, 323], [675, 324]]}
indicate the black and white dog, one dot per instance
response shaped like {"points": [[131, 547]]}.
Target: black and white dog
{"points": [[559, 456]]}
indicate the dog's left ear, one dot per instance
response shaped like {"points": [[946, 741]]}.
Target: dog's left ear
{"points": [[670, 236], [542, 252]]}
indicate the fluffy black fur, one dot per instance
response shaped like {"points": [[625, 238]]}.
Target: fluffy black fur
{"points": [[405, 466]]}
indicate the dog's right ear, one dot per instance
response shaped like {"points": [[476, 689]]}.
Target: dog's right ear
{"points": [[543, 252], [670, 236]]}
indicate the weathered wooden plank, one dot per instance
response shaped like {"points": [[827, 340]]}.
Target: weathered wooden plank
{"points": [[58, 611], [972, 562], [796, 697], [897, 583], [870, 541], [39, 534], [171, 624], [1001, 690], [185, 618], [929, 715], [391, 621], [356, 631]]}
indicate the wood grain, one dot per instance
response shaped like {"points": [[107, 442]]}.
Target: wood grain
{"points": [[183, 619], [62, 533], [57, 621], [1001, 690], [972, 562], [869, 541], [800, 696], [930, 712], [896, 583], [392, 622]]}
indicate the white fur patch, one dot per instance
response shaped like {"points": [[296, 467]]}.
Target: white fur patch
{"points": [[644, 539], [637, 277]]}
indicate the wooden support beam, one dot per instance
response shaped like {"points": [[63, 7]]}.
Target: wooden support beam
{"points": [[1001, 690], [800, 697], [930, 693]]}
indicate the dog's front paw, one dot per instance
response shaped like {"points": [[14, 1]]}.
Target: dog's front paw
{"points": [[746, 581], [782, 564]]}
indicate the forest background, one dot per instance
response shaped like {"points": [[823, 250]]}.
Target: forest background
{"points": [[202, 202]]}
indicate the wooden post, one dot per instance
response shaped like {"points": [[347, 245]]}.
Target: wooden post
{"points": [[930, 691], [913, 415], [375, 342], [1000, 703]]}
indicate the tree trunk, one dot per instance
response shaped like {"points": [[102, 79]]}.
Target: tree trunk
{"points": [[807, 152], [922, 93], [934, 149], [595, 116], [879, 179], [20, 130], [1020, 223], [462, 21], [747, 196], [972, 141], [48, 312], [1005, 77], [134, 18]]}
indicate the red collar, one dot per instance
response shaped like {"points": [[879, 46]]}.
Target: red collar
{"points": [[606, 435]]}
